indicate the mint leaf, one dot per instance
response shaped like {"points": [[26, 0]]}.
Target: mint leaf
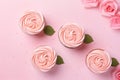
{"points": [[59, 60], [48, 30], [88, 39], [114, 62]]}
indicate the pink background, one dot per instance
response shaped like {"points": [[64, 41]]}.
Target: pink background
{"points": [[16, 47]]}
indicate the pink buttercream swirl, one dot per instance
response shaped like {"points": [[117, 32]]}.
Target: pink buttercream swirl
{"points": [[98, 61], [32, 22], [71, 35], [44, 58]]}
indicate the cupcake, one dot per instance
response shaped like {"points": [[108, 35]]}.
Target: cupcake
{"points": [[71, 35], [98, 61], [32, 23], [44, 58]]}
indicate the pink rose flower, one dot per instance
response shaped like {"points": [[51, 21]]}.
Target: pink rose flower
{"points": [[116, 73], [98, 61], [91, 3], [44, 58], [108, 8], [71, 35], [115, 21], [32, 23]]}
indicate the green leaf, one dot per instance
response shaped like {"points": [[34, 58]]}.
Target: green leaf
{"points": [[88, 39], [48, 30], [114, 62], [59, 60]]}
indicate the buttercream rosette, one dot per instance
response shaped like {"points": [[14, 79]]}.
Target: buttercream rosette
{"points": [[32, 22], [98, 61], [71, 35], [44, 58]]}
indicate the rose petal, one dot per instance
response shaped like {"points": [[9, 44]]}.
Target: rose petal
{"points": [[115, 22], [116, 73], [108, 8], [91, 3]]}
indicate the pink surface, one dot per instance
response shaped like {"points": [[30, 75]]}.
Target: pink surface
{"points": [[16, 47]]}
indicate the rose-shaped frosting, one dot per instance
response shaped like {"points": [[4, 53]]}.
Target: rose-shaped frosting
{"points": [[91, 3], [108, 7], [32, 22], [44, 58], [115, 21], [71, 35], [116, 73], [98, 61]]}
